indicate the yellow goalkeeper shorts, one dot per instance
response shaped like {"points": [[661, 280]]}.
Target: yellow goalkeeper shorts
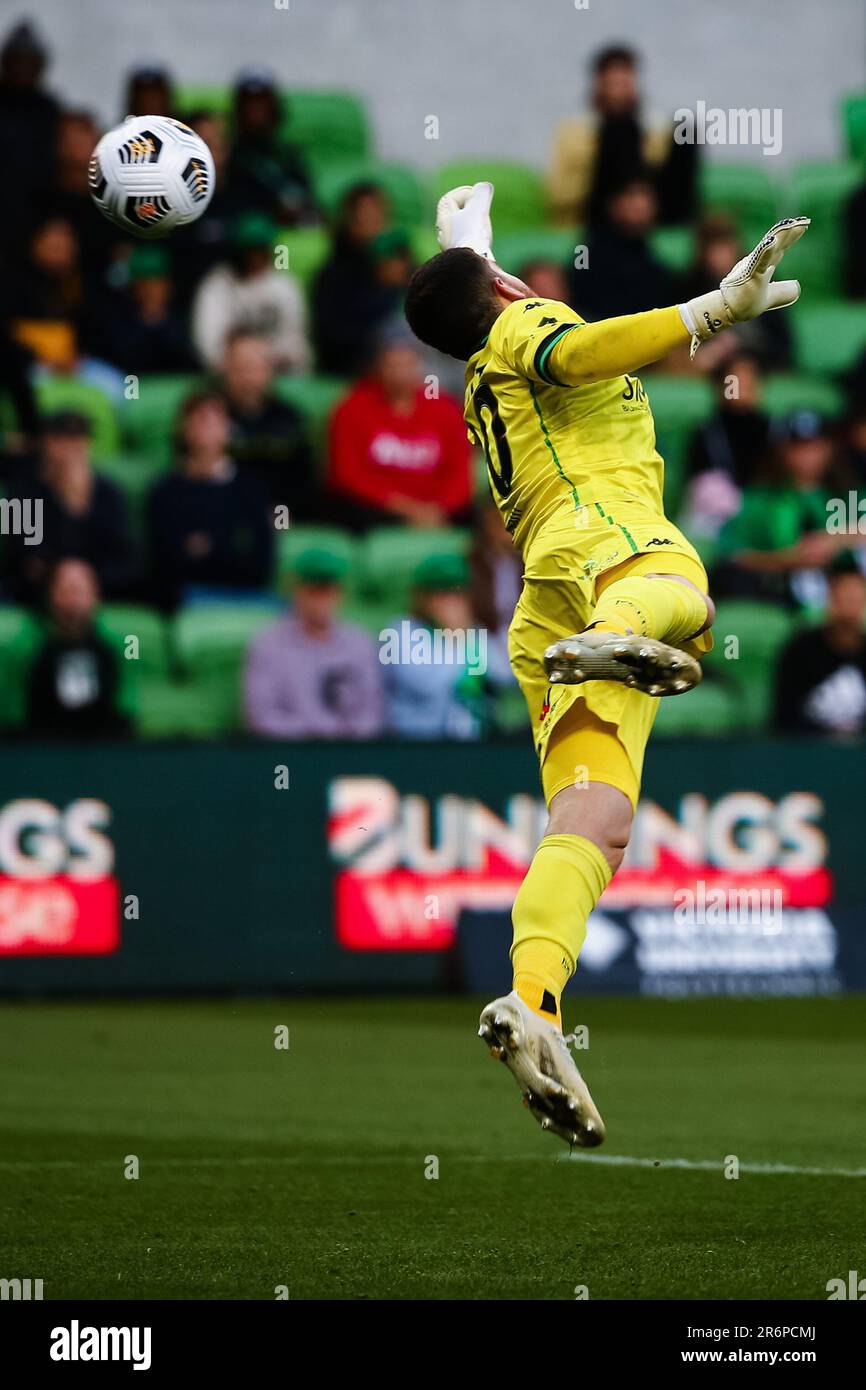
{"points": [[596, 731]]}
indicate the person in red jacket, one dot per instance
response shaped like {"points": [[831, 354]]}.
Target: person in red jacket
{"points": [[398, 449]]}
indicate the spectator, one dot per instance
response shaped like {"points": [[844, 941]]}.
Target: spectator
{"points": [[28, 133], [778, 544], [45, 298], [84, 516], [718, 247], [595, 154], [268, 436], [855, 443], [855, 240], [448, 696], [546, 279], [821, 679], [142, 332], [201, 245], [621, 274], [396, 454], [730, 450], [210, 532], [70, 199], [311, 675], [349, 302], [266, 173], [78, 684], [246, 291], [149, 92]]}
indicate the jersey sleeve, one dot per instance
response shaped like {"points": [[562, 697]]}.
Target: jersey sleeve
{"points": [[531, 329]]}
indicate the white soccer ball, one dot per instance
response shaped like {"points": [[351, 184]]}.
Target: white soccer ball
{"points": [[151, 174]]}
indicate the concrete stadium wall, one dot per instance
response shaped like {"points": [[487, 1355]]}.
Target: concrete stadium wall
{"points": [[498, 74]]}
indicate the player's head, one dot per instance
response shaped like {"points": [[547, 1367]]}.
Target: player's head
{"points": [[454, 300]]}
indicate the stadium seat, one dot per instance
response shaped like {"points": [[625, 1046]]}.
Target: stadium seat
{"points": [[679, 405], [326, 125], [203, 97], [390, 555], [68, 393], [19, 635], [424, 244], [821, 192], [307, 249], [296, 539], [674, 247], [710, 710], [148, 422], [126, 620], [314, 396], [854, 124], [168, 708], [761, 630], [520, 197], [746, 190], [829, 337], [517, 248], [210, 642], [410, 201], [787, 391]]}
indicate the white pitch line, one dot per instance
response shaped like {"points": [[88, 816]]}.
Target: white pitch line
{"points": [[698, 1165], [715, 1165]]}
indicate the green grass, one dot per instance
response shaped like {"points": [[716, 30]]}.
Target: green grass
{"points": [[305, 1168]]}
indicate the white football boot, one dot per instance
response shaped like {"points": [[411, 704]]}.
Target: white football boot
{"points": [[538, 1056], [643, 663]]}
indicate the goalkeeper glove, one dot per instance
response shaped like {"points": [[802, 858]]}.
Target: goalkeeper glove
{"points": [[748, 289], [463, 218]]}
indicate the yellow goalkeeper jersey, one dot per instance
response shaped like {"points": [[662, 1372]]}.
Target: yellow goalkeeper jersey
{"points": [[550, 446]]}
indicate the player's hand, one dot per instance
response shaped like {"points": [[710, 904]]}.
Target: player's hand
{"points": [[749, 289], [463, 218]]}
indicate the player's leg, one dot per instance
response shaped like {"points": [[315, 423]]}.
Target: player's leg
{"points": [[591, 787], [644, 630]]}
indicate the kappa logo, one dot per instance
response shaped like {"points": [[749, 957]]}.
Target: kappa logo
{"points": [[660, 540]]}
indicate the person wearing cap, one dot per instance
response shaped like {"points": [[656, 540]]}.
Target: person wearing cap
{"points": [[395, 453], [266, 172], [311, 675], [84, 515], [821, 676], [142, 332], [210, 528], [778, 544], [246, 291], [352, 297], [430, 696]]}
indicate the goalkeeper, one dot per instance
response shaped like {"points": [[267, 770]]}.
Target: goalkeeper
{"points": [[614, 610]]}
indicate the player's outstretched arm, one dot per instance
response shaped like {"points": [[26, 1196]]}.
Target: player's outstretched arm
{"points": [[598, 351]]}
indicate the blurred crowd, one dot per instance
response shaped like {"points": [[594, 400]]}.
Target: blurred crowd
{"points": [[78, 300]]}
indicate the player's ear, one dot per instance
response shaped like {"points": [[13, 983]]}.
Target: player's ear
{"points": [[509, 287]]}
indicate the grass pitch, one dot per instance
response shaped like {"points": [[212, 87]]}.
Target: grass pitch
{"points": [[305, 1168]]}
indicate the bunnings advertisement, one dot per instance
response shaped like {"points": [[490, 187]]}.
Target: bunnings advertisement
{"points": [[385, 865]]}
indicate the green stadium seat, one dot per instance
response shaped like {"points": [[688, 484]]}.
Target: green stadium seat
{"points": [[787, 391], [371, 614], [296, 539], [19, 637], [674, 247], [761, 630], [203, 97], [326, 124], [710, 710], [126, 620], [510, 713], [520, 196], [821, 191], [209, 637], [390, 555], [745, 190], [148, 423], [68, 393], [424, 244], [679, 405], [519, 248], [829, 337], [410, 200], [854, 124], [169, 709], [308, 249], [315, 397]]}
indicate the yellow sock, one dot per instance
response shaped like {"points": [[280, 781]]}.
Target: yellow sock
{"points": [[566, 878], [661, 608]]}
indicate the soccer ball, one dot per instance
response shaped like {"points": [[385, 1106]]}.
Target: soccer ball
{"points": [[151, 174]]}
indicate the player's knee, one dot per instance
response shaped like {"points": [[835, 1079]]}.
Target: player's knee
{"points": [[599, 813]]}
